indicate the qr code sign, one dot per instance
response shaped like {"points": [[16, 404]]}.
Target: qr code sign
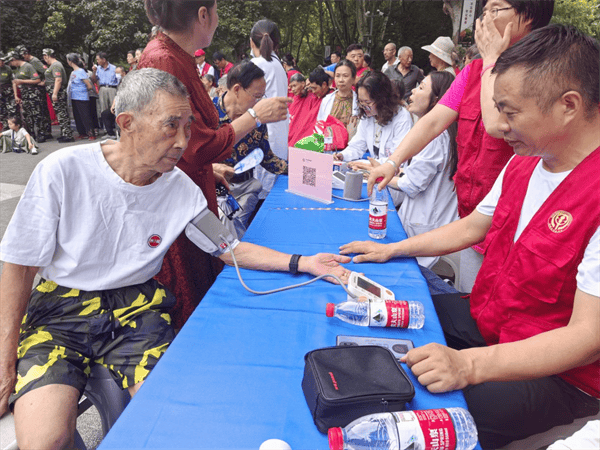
{"points": [[309, 176]]}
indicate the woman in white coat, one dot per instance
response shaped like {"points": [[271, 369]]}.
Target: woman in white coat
{"points": [[383, 123], [426, 183], [264, 41]]}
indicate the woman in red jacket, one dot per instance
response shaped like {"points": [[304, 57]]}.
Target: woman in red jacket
{"points": [[186, 25]]}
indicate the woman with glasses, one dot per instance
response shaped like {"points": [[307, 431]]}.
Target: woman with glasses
{"points": [[264, 42], [185, 26], [383, 123], [482, 152]]}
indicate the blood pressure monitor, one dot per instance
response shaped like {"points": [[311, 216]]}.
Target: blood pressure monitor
{"points": [[338, 179], [361, 286]]}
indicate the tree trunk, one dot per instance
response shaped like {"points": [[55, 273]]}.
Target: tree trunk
{"points": [[453, 8]]}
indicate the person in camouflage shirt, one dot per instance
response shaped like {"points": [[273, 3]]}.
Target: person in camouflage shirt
{"points": [[8, 107], [40, 90], [25, 80], [56, 85]]}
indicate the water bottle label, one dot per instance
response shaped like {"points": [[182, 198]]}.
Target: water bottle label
{"points": [[377, 217], [392, 313], [431, 429]]}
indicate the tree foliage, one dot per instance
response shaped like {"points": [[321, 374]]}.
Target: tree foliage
{"points": [[583, 14], [307, 27]]}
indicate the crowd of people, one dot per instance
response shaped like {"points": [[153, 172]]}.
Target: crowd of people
{"points": [[495, 159], [36, 93]]}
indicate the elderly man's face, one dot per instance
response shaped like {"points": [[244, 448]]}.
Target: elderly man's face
{"points": [[335, 58], [357, 57], [389, 52], [100, 61], [250, 96], [406, 58], [162, 132], [296, 87], [200, 59]]}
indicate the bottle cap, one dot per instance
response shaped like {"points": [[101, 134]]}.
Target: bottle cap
{"points": [[379, 180], [329, 309], [336, 439]]}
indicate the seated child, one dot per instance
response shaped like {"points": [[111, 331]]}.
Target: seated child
{"points": [[17, 139]]}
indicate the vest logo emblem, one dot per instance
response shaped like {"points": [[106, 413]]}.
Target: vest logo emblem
{"points": [[154, 241], [559, 221]]}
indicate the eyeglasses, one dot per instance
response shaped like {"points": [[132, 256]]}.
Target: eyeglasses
{"points": [[493, 12], [257, 97], [369, 103]]}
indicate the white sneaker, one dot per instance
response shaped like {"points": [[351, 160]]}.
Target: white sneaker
{"points": [[34, 151]]}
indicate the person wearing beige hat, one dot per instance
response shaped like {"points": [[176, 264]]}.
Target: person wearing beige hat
{"points": [[440, 54]]}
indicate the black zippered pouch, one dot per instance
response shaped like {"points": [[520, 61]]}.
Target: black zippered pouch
{"points": [[341, 384]]}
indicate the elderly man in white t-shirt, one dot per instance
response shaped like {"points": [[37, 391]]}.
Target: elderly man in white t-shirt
{"points": [[525, 348], [95, 221]]}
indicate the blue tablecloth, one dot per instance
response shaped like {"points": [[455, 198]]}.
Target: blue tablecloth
{"points": [[232, 377]]}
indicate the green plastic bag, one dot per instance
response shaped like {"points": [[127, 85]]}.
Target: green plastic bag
{"points": [[315, 143]]}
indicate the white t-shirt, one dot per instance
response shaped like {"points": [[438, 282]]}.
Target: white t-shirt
{"points": [[541, 185], [277, 86], [88, 229]]}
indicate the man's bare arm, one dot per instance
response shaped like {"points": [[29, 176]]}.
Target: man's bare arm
{"points": [[443, 369], [15, 289], [256, 257], [450, 238]]}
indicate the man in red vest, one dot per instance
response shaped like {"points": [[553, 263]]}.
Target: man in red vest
{"points": [[222, 64], [525, 348], [202, 66]]}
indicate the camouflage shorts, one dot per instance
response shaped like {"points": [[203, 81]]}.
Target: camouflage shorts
{"points": [[67, 330]]}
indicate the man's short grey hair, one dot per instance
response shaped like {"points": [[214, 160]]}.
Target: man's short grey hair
{"points": [[404, 49], [392, 44], [139, 87]]}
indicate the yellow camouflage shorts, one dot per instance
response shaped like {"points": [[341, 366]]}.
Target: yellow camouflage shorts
{"points": [[65, 331]]}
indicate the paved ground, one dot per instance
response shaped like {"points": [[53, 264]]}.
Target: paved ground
{"points": [[15, 169]]}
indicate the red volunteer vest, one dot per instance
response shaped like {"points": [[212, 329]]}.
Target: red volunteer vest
{"points": [[527, 287], [205, 69], [481, 157]]}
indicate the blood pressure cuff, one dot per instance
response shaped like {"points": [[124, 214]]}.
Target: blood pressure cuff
{"points": [[341, 384]]}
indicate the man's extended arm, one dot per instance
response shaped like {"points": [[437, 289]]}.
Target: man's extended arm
{"points": [[15, 289], [444, 240], [443, 369], [251, 256]]}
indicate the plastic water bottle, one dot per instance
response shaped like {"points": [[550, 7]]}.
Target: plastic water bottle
{"points": [[328, 139], [440, 429], [391, 313], [378, 207]]}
